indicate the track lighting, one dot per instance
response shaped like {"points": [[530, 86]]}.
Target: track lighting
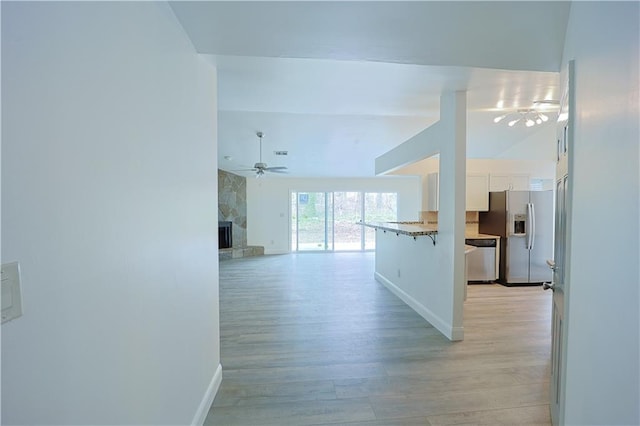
{"points": [[529, 116]]}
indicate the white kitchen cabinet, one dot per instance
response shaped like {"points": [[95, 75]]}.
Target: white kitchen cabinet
{"points": [[498, 182], [503, 182], [433, 192], [477, 194], [477, 199], [520, 182]]}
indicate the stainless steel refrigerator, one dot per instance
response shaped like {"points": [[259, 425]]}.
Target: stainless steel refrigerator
{"points": [[524, 221]]}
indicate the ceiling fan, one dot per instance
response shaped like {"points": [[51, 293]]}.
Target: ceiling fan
{"points": [[260, 168]]}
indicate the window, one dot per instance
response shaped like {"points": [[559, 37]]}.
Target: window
{"points": [[378, 207]]}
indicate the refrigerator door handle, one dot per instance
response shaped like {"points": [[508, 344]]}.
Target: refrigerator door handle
{"points": [[529, 226], [533, 225]]}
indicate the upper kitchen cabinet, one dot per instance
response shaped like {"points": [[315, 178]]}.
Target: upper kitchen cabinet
{"points": [[477, 196], [513, 182], [433, 192], [477, 192]]}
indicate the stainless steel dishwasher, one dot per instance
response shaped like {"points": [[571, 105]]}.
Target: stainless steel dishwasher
{"points": [[481, 261]]}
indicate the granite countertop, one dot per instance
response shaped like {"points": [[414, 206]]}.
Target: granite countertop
{"points": [[412, 229], [481, 236], [415, 228]]}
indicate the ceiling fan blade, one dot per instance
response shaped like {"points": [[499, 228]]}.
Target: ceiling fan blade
{"points": [[272, 169], [245, 170], [278, 171]]}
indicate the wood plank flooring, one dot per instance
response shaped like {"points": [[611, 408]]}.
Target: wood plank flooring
{"points": [[313, 339]]}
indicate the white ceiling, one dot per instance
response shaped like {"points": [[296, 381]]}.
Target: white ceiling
{"points": [[339, 83]]}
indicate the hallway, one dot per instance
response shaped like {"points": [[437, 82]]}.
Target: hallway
{"points": [[314, 339]]}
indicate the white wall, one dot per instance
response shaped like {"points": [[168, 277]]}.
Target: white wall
{"points": [[436, 291], [541, 146], [109, 205], [602, 376], [269, 203]]}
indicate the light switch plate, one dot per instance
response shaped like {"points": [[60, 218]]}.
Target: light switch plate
{"points": [[11, 292]]}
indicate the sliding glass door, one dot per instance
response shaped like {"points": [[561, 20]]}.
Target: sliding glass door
{"points": [[329, 221], [378, 207], [347, 212], [312, 225]]}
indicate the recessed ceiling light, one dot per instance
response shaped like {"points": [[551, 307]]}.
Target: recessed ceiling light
{"points": [[228, 157]]}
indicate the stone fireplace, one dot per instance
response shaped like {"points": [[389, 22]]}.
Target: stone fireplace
{"points": [[232, 217]]}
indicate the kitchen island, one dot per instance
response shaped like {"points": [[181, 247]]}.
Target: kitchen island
{"points": [[413, 260]]}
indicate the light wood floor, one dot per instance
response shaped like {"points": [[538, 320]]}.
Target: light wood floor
{"points": [[313, 339]]}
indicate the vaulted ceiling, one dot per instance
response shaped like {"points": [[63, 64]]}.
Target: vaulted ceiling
{"points": [[337, 84]]}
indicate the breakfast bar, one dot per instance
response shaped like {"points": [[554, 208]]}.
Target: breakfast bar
{"points": [[415, 229], [414, 264], [412, 229]]}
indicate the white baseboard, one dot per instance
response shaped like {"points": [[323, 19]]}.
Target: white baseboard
{"points": [[451, 333], [207, 399], [457, 334]]}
